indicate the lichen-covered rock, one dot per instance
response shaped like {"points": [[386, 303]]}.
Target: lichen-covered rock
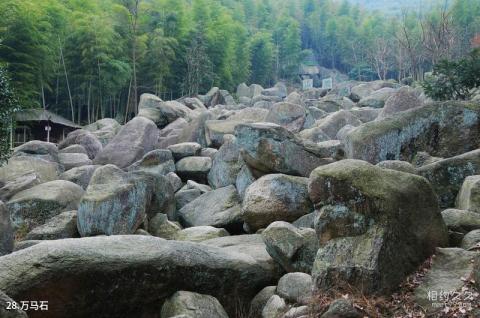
{"points": [[117, 202], [194, 168], [270, 148], [184, 197], [84, 138], [471, 240], [17, 167], [218, 208], [287, 115], [175, 181], [160, 226], [331, 124], [6, 231], [423, 158], [185, 149], [8, 188], [244, 179], [226, 165], [460, 220], [192, 304], [38, 149], [138, 272], [295, 288], [104, 129], [138, 137], [398, 165], [33, 207], [374, 225], [402, 100], [377, 99], [469, 196], [275, 197], [274, 308], [446, 176], [199, 233], [158, 161], [260, 300], [450, 268], [80, 175], [294, 249], [442, 129], [73, 160], [61, 226]]}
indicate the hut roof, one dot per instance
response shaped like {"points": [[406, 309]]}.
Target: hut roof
{"points": [[43, 115]]}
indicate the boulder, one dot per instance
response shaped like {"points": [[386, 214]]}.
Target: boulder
{"points": [[295, 288], [244, 179], [208, 152], [260, 300], [294, 98], [365, 114], [6, 231], [274, 308], [297, 312], [161, 113], [446, 176], [132, 142], [74, 149], [138, 272], [199, 233], [243, 91], [192, 185], [41, 171], [287, 115], [184, 197], [270, 148], [218, 208], [5, 308], [331, 124], [294, 249], [104, 129], [38, 149], [33, 207], [279, 90], [450, 269], [83, 138], [175, 181], [185, 149], [471, 240], [74, 160], [398, 165], [343, 132], [226, 165], [117, 202], [402, 100], [256, 90], [342, 308], [275, 197], [194, 168], [80, 175], [192, 305], [423, 158], [461, 221], [158, 161], [160, 226], [469, 196], [314, 135], [9, 188], [194, 103], [377, 99], [61, 226], [441, 129], [375, 226]]}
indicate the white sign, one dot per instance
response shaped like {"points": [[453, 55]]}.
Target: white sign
{"points": [[307, 83], [48, 128], [327, 83]]}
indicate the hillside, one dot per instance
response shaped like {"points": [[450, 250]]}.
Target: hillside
{"points": [[397, 6]]}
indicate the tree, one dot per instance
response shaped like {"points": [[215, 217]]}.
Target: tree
{"points": [[199, 67], [262, 57], [8, 107]]}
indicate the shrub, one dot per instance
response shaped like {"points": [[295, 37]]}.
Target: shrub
{"points": [[8, 107]]}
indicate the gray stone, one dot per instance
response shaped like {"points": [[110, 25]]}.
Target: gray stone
{"points": [[74, 149], [244, 179], [446, 176], [18, 167], [9, 188], [138, 271], [6, 312], [469, 196], [104, 129], [297, 312], [175, 181], [279, 90], [194, 168], [208, 152], [450, 268], [306, 221], [199, 234], [194, 103], [331, 124], [184, 197], [73, 160], [185, 149], [398, 165], [226, 165], [80, 175], [21, 245], [61, 226], [33, 207], [374, 225], [84, 138], [6, 231], [192, 304], [274, 308], [471, 240], [243, 91], [158, 161], [423, 158], [377, 99], [218, 208], [38, 149], [192, 185], [441, 129], [270, 148], [460, 220], [275, 197], [342, 308], [402, 100], [160, 112], [295, 288], [260, 300], [365, 114], [160, 226], [287, 115]]}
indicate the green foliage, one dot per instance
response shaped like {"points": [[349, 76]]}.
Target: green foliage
{"points": [[454, 79], [8, 107]]}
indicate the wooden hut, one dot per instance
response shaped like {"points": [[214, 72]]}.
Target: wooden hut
{"points": [[39, 124]]}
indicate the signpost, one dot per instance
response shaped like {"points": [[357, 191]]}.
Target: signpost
{"points": [[327, 83], [48, 129], [307, 83]]}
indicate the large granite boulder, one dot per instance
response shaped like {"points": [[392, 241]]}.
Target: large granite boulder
{"points": [[73, 160], [218, 208], [374, 225], [158, 161], [185, 149], [441, 129], [469, 195], [270, 148], [446, 176], [6, 231], [117, 202], [296, 288], [275, 197], [61, 226], [377, 99], [136, 138], [331, 124], [199, 233], [37, 149], [34, 206], [83, 138], [160, 112], [138, 272], [226, 165], [80, 175], [104, 129], [404, 99], [287, 115], [192, 305], [194, 168]]}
